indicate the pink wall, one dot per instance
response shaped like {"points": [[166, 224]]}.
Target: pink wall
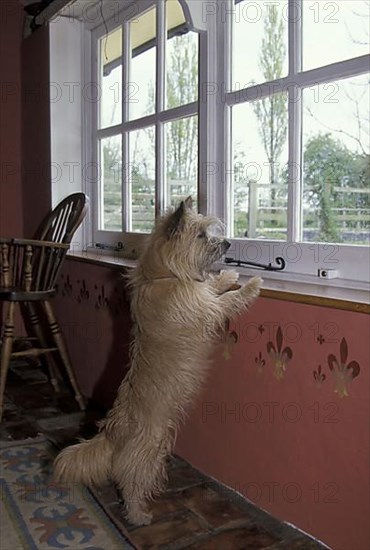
{"points": [[297, 446], [11, 23], [36, 160], [25, 124], [93, 311], [284, 438]]}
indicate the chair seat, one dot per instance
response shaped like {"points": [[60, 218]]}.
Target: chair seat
{"points": [[13, 294]]}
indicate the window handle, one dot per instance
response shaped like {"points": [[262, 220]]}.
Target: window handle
{"points": [[269, 267], [114, 247]]}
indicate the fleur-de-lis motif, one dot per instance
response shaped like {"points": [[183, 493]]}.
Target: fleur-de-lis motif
{"points": [[343, 373], [260, 362], [102, 301], [67, 287], [319, 376], [84, 293], [261, 329], [320, 339], [281, 356]]}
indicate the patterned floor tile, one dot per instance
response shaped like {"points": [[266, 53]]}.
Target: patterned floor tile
{"points": [[179, 529], [253, 538]]}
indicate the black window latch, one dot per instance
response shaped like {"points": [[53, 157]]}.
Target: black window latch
{"points": [[114, 247], [269, 267]]}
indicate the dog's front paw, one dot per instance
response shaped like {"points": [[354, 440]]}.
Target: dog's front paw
{"points": [[139, 517], [253, 287], [225, 280]]}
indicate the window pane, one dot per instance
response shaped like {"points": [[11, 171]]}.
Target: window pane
{"points": [[260, 158], [334, 31], [111, 79], [336, 193], [111, 183], [182, 160], [142, 179], [141, 90], [260, 42], [181, 58]]}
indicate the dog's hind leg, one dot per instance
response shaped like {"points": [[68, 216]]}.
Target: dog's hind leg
{"points": [[139, 470]]}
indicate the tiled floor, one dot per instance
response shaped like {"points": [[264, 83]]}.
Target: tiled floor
{"points": [[194, 512]]}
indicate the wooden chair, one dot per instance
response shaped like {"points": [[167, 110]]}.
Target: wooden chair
{"points": [[28, 273]]}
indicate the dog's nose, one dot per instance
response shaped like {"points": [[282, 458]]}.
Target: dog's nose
{"points": [[227, 244]]}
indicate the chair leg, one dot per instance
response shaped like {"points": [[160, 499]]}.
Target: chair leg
{"points": [[6, 351], [63, 351], [38, 330]]}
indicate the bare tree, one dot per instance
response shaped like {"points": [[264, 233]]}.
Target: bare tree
{"points": [[182, 86], [271, 111]]}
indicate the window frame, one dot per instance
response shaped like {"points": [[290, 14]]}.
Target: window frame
{"points": [[158, 119], [352, 261], [213, 109]]}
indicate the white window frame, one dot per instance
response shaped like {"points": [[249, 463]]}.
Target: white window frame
{"points": [[161, 116], [213, 108], [351, 262]]}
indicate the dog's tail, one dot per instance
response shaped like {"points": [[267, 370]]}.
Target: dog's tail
{"points": [[88, 462]]}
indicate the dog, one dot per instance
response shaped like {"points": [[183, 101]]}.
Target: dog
{"points": [[178, 310]]}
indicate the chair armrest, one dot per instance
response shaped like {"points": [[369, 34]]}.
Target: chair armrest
{"points": [[33, 242], [30, 265]]}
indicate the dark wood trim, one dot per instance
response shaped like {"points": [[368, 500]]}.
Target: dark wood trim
{"points": [[102, 261], [334, 303]]}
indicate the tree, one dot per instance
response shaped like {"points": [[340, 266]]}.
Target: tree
{"points": [[362, 36], [111, 176], [182, 135], [272, 116], [334, 178], [271, 111], [181, 139], [240, 192]]}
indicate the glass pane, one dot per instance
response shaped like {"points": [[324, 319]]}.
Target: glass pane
{"points": [[181, 58], [111, 79], [260, 158], [260, 42], [334, 31], [336, 171], [182, 160], [111, 183], [141, 90], [142, 179]]}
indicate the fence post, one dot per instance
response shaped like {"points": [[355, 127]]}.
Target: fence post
{"points": [[252, 209]]}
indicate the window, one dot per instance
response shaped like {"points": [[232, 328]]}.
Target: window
{"points": [[146, 119], [259, 109], [297, 133]]}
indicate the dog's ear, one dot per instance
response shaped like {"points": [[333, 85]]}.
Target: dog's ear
{"points": [[175, 222], [189, 203]]}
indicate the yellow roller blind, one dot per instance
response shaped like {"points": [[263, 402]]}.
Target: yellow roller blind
{"points": [[143, 30]]}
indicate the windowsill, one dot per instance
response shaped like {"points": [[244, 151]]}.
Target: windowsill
{"points": [[302, 289], [101, 257]]}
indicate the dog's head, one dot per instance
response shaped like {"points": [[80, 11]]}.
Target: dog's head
{"points": [[186, 243]]}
